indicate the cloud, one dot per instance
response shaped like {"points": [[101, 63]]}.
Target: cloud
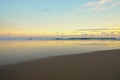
{"points": [[91, 29], [47, 10], [101, 29], [101, 5]]}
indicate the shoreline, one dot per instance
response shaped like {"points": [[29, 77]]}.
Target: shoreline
{"points": [[98, 65]]}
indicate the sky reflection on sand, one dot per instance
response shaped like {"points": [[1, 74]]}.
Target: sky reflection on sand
{"points": [[18, 51]]}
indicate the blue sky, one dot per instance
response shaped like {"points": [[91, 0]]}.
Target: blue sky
{"points": [[58, 15]]}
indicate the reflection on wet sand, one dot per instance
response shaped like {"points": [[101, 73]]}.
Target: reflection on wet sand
{"points": [[17, 51], [59, 43]]}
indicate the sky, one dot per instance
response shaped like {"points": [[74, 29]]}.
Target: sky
{"points": [[58, 17]]}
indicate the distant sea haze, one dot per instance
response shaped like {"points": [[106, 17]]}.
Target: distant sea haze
{"points": [[58, 38]]}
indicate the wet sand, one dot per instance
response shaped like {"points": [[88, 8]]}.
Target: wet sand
{"points": [[100, 65]]}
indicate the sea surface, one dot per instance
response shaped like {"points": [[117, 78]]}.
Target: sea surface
{"points": [[15, 51]]}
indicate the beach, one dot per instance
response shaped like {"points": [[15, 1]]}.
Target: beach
{"points": [[98, 65]]}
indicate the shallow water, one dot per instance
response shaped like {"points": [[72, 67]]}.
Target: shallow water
{"points": [[19, 51]]}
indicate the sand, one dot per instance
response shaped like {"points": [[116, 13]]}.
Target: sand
{"points": [[100, 65]]}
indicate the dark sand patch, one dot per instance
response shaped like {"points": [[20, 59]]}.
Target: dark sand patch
{"points": [[101, 65]]}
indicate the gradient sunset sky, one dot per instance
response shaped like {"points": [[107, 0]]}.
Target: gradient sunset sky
{"points": [[49, 17]]}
